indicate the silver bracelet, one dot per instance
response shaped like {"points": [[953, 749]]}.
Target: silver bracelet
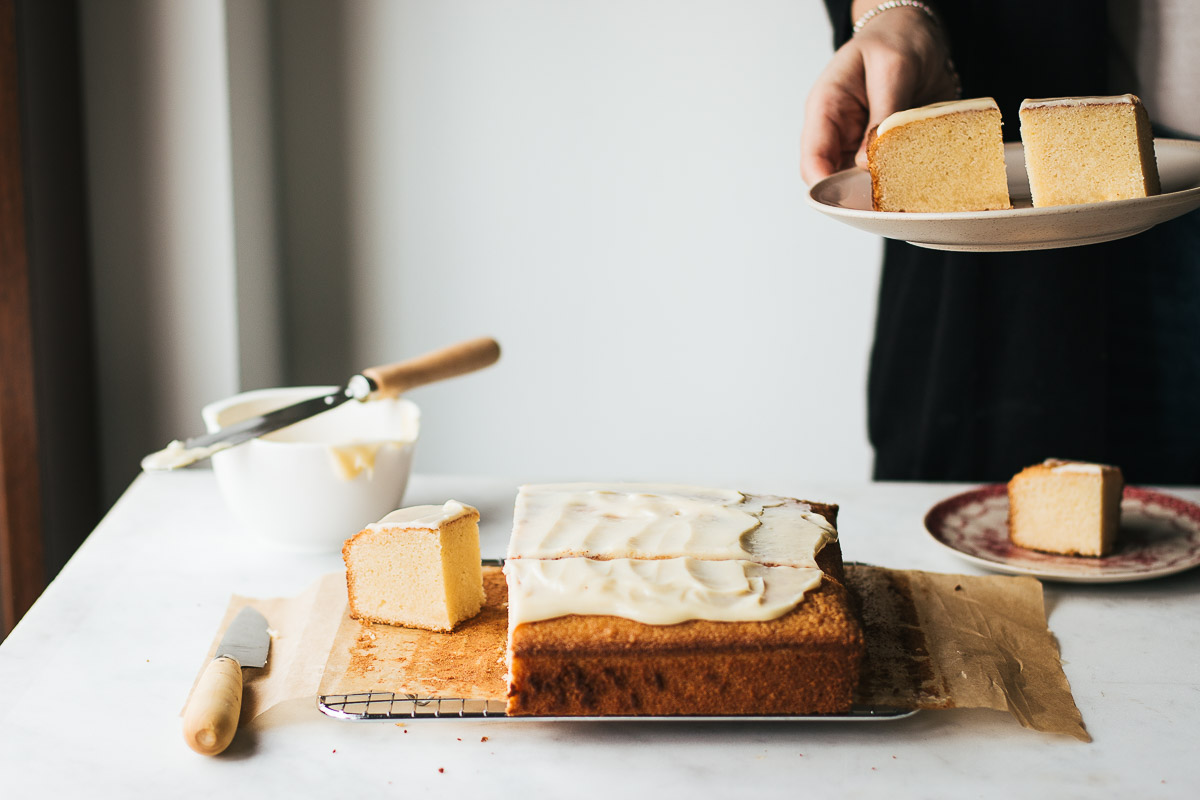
{"points": [[888, 6], [917, 4]]}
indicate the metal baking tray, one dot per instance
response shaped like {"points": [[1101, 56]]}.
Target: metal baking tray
{"points": [[394, 707]]}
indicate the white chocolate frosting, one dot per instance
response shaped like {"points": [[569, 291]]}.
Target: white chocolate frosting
{"points": [[654, 592], [1058, 465], [935, 110], [1087, 100], [664, 521], [177, 454], [430, 517]]}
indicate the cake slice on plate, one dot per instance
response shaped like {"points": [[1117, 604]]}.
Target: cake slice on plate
{"points": [[1088, 149], [939, 158], [1066, 507]]}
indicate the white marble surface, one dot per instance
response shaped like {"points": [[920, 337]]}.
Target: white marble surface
{"points": [[94, 677]]}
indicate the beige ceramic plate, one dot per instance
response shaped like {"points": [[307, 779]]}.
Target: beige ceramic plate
{"points": [[846, 196]]}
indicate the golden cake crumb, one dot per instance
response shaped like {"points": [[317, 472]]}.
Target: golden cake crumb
{"points": [[417, 567], [1088, 149], [1065, 507]]}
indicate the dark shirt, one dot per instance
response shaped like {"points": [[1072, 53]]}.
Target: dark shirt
{"points": [[984, 363]]}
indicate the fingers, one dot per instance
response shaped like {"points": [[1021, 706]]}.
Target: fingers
{"points": [[833, 116], [821, 150], [899, 61], [891, 81]]}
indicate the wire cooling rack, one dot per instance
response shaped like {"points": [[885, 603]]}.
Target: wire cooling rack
{"points": [[395, 707]]}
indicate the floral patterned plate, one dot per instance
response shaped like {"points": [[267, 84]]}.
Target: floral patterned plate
{"points": [[1159, 535]]}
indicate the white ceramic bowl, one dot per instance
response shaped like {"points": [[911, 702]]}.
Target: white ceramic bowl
{"points": [[314, 484]]}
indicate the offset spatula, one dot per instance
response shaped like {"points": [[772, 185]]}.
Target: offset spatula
{"points": [[374, 382], [212, 713]]}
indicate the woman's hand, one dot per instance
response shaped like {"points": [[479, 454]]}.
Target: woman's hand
{"points": [[898, 60]]}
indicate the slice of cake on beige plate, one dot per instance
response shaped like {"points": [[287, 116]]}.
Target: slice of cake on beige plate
{"points": [[1088, 149], [673, 610], [939, 158], [1067, 507], [418, 567]]}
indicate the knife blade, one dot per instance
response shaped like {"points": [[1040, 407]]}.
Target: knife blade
{"points": [[211, 717], [375, 382]]}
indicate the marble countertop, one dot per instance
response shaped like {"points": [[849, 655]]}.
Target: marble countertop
{"points": [[95, 676]]}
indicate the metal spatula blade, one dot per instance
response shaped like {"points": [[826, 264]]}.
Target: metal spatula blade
{"points": [[375, 382], [180, 454]]}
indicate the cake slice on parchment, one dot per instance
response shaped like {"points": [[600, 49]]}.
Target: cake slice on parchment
{"points": [[1066, 507], [939, 158], [1088, 149], [418, 567]]}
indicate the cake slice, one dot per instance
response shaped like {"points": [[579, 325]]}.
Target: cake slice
{"points": [[418, 567], [938, 158], [1088, 149], [1066, 507]]}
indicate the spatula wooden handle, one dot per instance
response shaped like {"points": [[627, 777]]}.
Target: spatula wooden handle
{"points": [[212, 714], [457, 359]]}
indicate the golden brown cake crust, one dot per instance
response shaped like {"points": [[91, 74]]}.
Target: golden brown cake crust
{"points": [[805, 662]]}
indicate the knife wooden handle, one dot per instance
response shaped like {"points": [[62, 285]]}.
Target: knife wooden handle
{"points": [[457, 359], [212, 714]]}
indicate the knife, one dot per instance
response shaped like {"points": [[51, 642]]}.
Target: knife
{"points": [[212, 714], [375, 382]]}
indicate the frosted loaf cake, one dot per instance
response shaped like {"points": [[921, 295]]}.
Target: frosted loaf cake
{"points": [[635, 599]]}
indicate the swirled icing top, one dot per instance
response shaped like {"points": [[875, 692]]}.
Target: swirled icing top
{"points": [[652, 521], [654, 591]]}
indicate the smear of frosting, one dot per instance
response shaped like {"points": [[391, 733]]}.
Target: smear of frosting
{"points": [[429, 516], [654, 592]]}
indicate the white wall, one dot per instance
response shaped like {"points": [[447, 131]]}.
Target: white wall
{"points": [[609, 188], [159, 183]]}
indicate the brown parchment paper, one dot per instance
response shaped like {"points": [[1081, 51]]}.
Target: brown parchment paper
{"points": [[302, 634], [933, 641], [369, 657], [962, 641]]}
